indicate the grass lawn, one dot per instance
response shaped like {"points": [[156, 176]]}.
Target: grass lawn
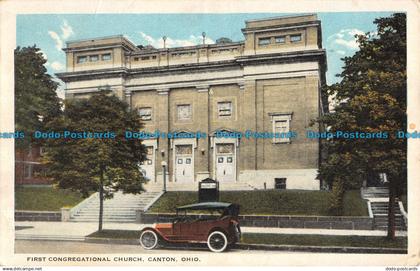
{"points": [[44, 198], [271, 202], [323, 240], [286, 239]]}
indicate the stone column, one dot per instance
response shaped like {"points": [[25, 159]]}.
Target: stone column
{"points": [[127, 96], [163, 152], [202, 153], [248, 119], [65, 214]]}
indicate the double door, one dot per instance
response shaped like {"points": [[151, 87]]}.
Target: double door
{"points": [[184, 163]]}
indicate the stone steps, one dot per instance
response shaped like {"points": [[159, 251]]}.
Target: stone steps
{"points": [[380, 215], [119, 209]]}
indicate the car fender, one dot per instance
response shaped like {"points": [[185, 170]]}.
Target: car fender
{"points": [[218, 229], [159, 233]]}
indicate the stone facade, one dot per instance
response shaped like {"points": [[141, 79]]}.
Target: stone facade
{"points": [[270, 82]]}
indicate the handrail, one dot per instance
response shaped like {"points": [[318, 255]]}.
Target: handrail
{"points": [[76, 208], [403, 212], [370, 209]]}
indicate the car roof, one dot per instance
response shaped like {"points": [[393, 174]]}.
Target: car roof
{"points": [[205, 206]]}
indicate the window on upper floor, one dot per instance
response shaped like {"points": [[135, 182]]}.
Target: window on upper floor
{"points": [[295, 38], [106, 57], [94, 58], [280, 39], [145, 113], [264, 41], [184, 112], [82, 59], [224, 109], [281, 127]]}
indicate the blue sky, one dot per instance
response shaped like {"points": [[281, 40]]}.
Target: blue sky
{"points": [[50, 31]]}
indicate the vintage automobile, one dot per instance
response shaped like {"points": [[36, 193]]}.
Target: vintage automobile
{"points": [[218, 232]]}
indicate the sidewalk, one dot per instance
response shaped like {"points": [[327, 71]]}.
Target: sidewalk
{"points": [[76, 231]]}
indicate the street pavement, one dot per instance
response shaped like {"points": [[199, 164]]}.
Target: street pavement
{"points": [[71, 247], [76, 231]]}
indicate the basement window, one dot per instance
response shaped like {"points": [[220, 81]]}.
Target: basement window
{"points": [[280, 183]]}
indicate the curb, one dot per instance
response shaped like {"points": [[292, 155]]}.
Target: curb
{"points": [[321, 249], [48, 237], [98, 240]]}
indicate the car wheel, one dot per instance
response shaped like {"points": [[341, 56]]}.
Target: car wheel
{"points": [[217, 241], [149, 239]]}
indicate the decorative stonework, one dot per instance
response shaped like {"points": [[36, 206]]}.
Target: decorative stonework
{"points": [[202, 88], [163, 91]]}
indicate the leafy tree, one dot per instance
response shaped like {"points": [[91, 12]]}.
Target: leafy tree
{"points": [[371, 97], [36, 100], [103, 165]]}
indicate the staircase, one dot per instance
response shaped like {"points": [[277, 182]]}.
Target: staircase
{"points": [[120, 209], [375, 192], [380, 216], [379, 197]]}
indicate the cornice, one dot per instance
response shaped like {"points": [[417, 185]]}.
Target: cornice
{"points": [[319, 55]]}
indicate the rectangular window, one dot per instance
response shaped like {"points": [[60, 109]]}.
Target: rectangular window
{"points": [[94, 58], [295, 38], [264, 41], [224, 109], [280, 183], [281, 39], [136, 59], [145, 57], [81, 59], [27, 168], [184, 112], [106, 57], [281, 127], [145, 113]]}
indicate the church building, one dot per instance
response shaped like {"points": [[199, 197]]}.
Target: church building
{"points": [[266, 85]]}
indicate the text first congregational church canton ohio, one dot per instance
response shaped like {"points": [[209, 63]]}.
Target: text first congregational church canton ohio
{"points": [[270, 82]]}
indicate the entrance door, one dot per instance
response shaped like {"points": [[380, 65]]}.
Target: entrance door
{"points": [[225, 162], [184, 163], [148, 165]]}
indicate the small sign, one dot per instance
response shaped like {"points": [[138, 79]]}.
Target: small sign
{"points": [[208, 185]]}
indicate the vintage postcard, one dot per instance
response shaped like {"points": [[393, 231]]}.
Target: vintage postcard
{"points": [[206, 133]]}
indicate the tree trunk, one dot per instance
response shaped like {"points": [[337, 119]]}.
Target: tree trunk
{"points": [[101, 200], [391, 210]]}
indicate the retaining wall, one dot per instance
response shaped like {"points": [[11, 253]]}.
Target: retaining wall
{"points": [[276, 221], [37, 216]]}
